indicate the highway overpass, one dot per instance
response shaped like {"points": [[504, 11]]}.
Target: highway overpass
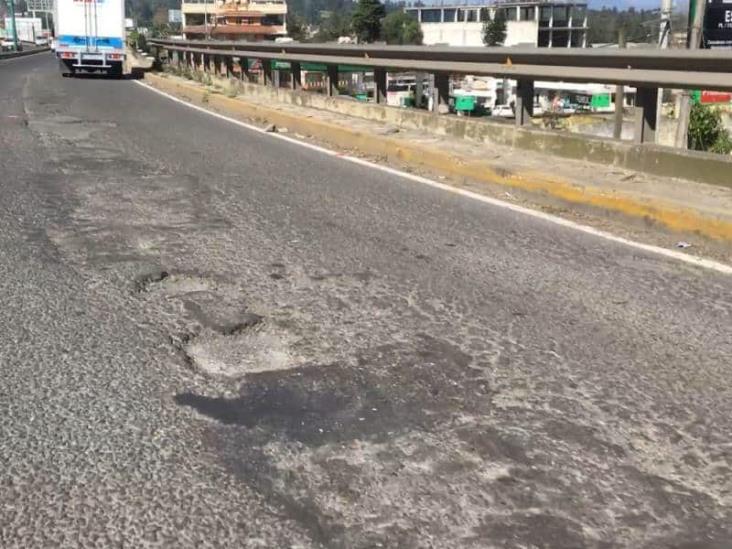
{"points": [[215, 338]]}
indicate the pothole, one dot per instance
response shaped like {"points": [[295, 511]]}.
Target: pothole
{"points": [[173, 284], [148, 278], [254, 350]]}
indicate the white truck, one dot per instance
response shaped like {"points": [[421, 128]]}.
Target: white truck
{"points": [[28, 28], [90, 36]]}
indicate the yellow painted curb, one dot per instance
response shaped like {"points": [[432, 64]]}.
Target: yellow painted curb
{"points": [[669, 216]]}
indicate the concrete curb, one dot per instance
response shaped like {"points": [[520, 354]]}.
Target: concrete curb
{"points": [[667, 215], [22, 53]]}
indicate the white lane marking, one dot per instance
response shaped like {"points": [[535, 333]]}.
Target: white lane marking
{"points": [[672, 254]]}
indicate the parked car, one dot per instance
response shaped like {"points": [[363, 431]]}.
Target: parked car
{"points": [[41, 41], [6, 44], [503, 111]]}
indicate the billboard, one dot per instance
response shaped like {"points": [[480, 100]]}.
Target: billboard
{"points": [[718, 24]]}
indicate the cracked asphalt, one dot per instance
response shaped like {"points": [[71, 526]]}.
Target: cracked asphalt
{"points": [[212, 338]]}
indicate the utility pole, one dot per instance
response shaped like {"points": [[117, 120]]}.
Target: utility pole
{"points": [[696, 20], [205, 19], [11, 5], [620, 94], [664, 35]]}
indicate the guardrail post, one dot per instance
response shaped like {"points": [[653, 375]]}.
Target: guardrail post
{"points": [[331, 80], [206, 62], [244, 69], [295, 76], [229, 67], [524, 102], [646, 107], [380, 85], [267, 71], [440, 91]]}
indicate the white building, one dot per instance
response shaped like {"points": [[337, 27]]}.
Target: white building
{"points": [[538, 23]]}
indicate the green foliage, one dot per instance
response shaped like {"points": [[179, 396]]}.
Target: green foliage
{"points": [[707, 131], [132, 39], [316, 11], [297, 27], [366, 20], [400, 28], [233, 88], [332, 26], [142, 42], [145, 12], [494, 31]]}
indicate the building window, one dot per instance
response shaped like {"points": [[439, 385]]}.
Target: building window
{"points": [[526, 14], [414, 14], [431, 16], [273, 20], [579, 13], [560, 16], [544, 36], [449, 15], [545, 14], [469, 16], [560, 39], [484, 15], [508, 14], [578, 38]]}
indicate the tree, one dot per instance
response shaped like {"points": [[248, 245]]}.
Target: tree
{"points": [[707, 131], [333, 26], [494, 30], [366, 20], [297, 28], [160, 17], [401, 28]]}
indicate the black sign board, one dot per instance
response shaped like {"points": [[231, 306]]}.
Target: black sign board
{"points": [[718, 24]]}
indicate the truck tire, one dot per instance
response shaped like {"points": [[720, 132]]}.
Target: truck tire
{"points": [[115, 71], [66, 70]]}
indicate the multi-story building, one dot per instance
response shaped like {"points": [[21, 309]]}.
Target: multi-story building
{"points": [[251, 20], [538, 23]]}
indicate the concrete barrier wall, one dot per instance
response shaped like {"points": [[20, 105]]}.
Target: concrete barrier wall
{"points": [[22, 53], [656, 160]]}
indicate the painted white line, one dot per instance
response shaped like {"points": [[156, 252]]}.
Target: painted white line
{"points": [[671, 254]]}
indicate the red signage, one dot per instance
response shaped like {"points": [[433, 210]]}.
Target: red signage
{"points": [[716, 97]]}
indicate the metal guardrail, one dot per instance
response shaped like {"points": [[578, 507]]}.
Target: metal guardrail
{"points": [[647, 70]]}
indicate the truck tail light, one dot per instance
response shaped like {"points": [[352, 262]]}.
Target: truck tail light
{"points": [[115, 56], [67, 55]]}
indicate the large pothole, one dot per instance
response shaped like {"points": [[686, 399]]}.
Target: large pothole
{"points": [[258, 349]]}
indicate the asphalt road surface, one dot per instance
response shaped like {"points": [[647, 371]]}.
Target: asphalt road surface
{"points": [[213, 338]]}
